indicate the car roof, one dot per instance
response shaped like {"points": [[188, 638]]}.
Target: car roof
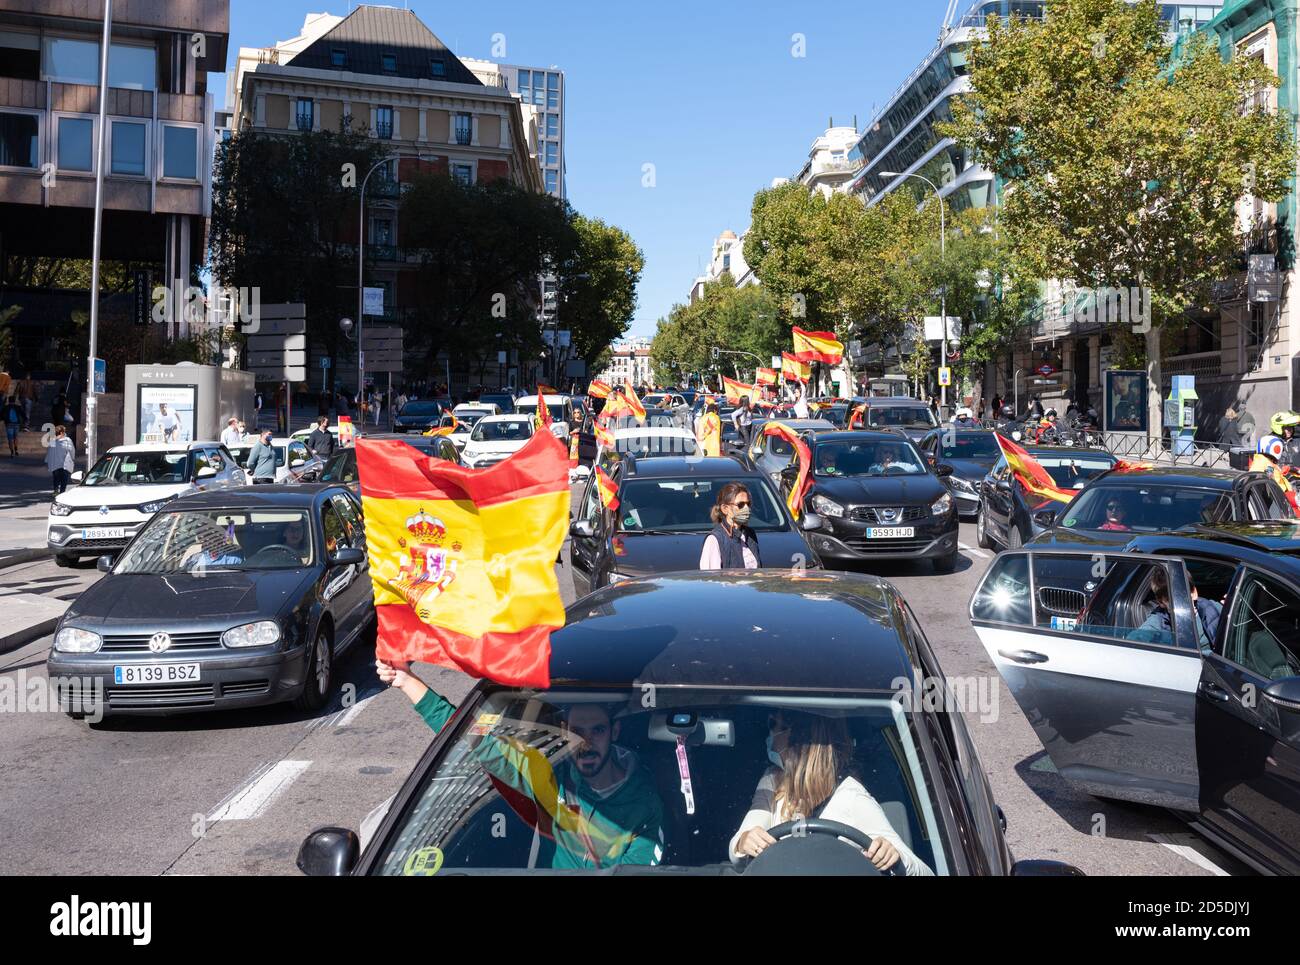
{"points": [[506, 417], [300, 495], [659, 467], [1196, 476], [798, 423], [630, 431], [736, 629], [860, 435], [164, 446], [550, 399], [885, 400]]}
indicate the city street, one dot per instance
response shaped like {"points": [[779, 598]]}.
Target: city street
{"points": [[234, 793]]}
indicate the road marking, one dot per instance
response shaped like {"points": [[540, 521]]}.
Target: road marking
{"points": [[1190, 854], [267, 783], [973, 551], [350, 714]]}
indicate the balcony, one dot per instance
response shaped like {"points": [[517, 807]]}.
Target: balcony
{"points": [[827, 165], [384, 130]]}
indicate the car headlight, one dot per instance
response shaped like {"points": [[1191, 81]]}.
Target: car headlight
{"points": [[153, 507], [260, 634], [941, 505], [961, 485], [827, 507], [76, 640], [60, 509]]}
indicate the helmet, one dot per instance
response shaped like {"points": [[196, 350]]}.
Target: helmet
{"points": [[1049, 414], [964, 413], [1282, 420], [1270, 446]]}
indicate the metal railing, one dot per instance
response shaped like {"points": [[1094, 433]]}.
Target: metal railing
{"points": [[1134, 447]]}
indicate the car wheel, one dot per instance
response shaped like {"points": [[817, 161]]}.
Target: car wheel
{"points": [[946, 564], [982, 531], [63, 559], [320, 671], [1014, 540]]}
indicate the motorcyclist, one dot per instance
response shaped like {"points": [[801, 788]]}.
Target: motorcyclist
{"points": [[1047, 432], [965, 419], [1284, 424]]}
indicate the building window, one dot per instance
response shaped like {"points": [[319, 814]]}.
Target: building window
{"points": [[304, 114], [552, 153], [76, 138], [180, 152], [127, 148], [19, 140], [132, 67], [381, 231], [464, 173], [525, 86], [338, 57], [552, 181], [384, 122], [71, 61], [553, 91], [390, 63], [552, 125], [20, 55], [464, 128], [438, 67]]}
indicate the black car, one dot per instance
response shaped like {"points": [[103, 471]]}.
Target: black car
{"points": [[878, 499], [504, 401], [341, 466], [910, 416], [419, 415], [1007, 516], [225, 599], [771, 454], [970, 454], [1194, 708], [694, 669], [663, 518], [1117, 506]]}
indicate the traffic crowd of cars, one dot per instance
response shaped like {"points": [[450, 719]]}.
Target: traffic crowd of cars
{"points": [[1149, 628]]}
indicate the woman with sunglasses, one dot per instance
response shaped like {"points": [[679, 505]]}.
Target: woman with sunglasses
{"points": [[811, 776], [732, 545], [1115, 516]]}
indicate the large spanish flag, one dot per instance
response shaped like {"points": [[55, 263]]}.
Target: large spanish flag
{"points": [[598, 389], [633, 401], [817, 347], [1030, 473], [462, 561], [803, 482], [794, 370], [736, 391]]}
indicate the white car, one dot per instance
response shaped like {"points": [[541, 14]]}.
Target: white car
{"points": [[468, 414], [495, 438], [561, 407], [294, 462], [106, 508], [646, 441]]}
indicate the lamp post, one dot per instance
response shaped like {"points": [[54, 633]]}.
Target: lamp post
{"points": [[943, 288], [92, 419]]}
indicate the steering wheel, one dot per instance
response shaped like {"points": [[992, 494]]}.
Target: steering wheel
{"points": [[813, 846], [893, 469], [278, 548]]}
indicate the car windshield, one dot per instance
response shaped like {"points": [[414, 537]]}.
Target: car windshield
{"points": [[892, 458], [555, 408], [684, 505], [139, 469], [510, 430], [1147, 509], [191, 541], [420, 408], [341, 467], [901, 416], [976, 445], [489, 800], [469, 419], [1075, 471]]}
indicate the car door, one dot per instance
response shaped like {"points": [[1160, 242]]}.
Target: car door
{"points": [[1112, 700], [1247, 731], [358, 596], [998, 501], [585, 551], [339, 591]]}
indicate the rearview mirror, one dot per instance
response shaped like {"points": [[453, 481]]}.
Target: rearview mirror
{"points": [[943, 471], [205, 472], [348, 556], [1285, 693], [1003, 484], [329, 852], [583, 529], [810, 521]]}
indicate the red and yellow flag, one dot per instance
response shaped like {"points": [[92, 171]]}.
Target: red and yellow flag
{"points": [[793, 370], [1030, 473], [858, 416], [444, 430], [598, 389], [573, 449], [608, 490], [462, 561], [766, 377], [633, 402], [604, 438], [803, 482], [736, 391], [710, 434], [347, 431], [817, 347]]}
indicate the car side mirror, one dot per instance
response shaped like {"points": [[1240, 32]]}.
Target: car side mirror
{"points": [[1285, 693], [1003, 484], [943, 471], [809, 522], [329, 852], [1038, 868], [583, 529], [207, 472], [77, 476], [297, 462], [105, 564], [348, 556]]}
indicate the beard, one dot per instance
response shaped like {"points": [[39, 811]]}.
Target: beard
{"points": [[590, 762]]}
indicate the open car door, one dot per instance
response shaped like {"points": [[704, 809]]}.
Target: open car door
{"points": [[1107, 679]]}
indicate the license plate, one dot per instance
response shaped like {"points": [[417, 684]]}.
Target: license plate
{"points": [[890, 532], [104, 532], [156, 673]]}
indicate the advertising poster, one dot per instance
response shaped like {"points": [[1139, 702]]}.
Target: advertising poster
{"points": [[166, 413], [1126, 401]]}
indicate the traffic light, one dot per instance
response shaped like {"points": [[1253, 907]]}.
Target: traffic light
{"points": [[715, 353]]}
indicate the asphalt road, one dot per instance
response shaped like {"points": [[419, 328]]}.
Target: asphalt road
{"points": [[234, 793]]}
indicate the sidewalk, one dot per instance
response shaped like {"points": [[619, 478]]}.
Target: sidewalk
{"points": [[25, 495]]}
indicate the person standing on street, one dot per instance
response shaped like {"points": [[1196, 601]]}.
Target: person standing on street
{"points": [[27, 398], [708, 430], [60, 458], [258, 402], [321, 440], [230, 435], [261, 459], [743, 420], [13, 419]]}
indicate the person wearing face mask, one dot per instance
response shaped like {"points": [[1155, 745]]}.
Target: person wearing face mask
{"points": [[811, 776], [732, 545]]}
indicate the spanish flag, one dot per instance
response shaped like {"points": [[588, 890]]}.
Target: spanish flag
{"points": [[738, 390], [794, 370], [1030, 474], [445, 430], [542, 419], [803, 482], [633, 402], [766, 377], [608, 489], [598, 389], [857, 416], [604, 438], [817, 347], [462, 561]]}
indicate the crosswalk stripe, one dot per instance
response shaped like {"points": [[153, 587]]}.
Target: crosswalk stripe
{"points": [[267, 783], [973, 551]]}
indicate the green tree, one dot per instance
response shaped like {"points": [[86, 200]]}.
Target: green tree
{"points": [[1124, 156]]}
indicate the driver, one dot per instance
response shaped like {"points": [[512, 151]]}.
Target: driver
{"points": [[294, 536], [599, 805], [811, 776], [886, 457], [1116, 515]]}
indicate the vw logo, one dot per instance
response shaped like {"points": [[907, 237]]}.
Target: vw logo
{"points": [[160, 642], [103, 510]]}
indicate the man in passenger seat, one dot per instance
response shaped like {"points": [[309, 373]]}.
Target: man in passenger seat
{"points": [[1158, 626]]}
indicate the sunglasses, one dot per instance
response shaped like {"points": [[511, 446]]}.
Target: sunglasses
{"points": [[744, 505]]}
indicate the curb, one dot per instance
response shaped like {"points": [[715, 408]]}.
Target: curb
{"points": [[20, 638], [15, 557]]}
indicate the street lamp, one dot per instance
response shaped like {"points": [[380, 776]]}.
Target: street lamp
{"points": [[943, 289]]}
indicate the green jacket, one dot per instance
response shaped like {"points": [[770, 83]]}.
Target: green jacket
{"points": [[589, 830]]}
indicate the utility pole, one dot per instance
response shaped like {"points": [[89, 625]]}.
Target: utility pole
{"points": [[92, 421]]}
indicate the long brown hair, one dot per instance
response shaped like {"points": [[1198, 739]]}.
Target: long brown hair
{"points": [[727, 494], [818, 755]]}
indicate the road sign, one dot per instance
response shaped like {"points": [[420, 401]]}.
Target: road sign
{"points": [[325, 361], [276, 326], [258, 344], [373, 301], [945, 375], [1045, 369], [101, 377], [283, 310], [141, 297], [283, 373], [258, 360], [382, 346]]}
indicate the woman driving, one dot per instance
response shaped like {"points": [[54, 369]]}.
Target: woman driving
{"points": [[811, 777]]}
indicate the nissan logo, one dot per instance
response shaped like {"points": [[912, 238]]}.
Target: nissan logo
{"points": [[889, 515], [159, 642]]}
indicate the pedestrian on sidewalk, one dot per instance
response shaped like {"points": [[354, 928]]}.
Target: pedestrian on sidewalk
{"points": [[261, 459], [13, 419], [232, 435], [321, 440], [60, 458]]}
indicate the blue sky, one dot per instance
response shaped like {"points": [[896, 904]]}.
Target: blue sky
{"points": [[710, 94]]}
